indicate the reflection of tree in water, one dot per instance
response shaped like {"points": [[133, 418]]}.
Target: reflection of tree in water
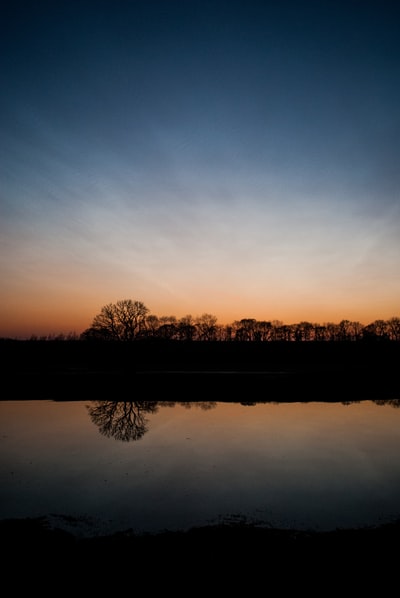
{"points": [[122, 420], [393, 402], [203, 405], [126, 420]]}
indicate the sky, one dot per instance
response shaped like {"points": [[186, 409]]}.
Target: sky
{"points": [[239, 159]]}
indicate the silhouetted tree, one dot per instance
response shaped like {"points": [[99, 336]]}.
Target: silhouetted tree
{"points": [[393, 329], [152, 325], [263, 331], [122, 321], [206, 326], [186, 328], [320, 333], [246, 329], [167, 331], [304, 331]]}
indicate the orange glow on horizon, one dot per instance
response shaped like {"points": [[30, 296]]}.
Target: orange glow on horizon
{"points": [[21, 320]]}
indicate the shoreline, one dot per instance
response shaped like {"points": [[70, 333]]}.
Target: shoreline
{"points": [[305, 385], [30, 533]]}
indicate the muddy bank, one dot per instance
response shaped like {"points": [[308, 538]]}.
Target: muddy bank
{"points": [[28, 534]]}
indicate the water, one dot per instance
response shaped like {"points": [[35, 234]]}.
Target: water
{"points": [[101, 466]]}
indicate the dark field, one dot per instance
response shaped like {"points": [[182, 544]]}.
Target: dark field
{"points": [[288, 371]]}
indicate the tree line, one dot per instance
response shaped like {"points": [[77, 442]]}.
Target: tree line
{"points": [[130, 320]]}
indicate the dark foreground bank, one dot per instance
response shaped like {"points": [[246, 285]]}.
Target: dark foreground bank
{"points": [[21, 537], [226, 560]]}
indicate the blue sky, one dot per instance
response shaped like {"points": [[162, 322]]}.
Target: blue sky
{"points": [[233, 158]]}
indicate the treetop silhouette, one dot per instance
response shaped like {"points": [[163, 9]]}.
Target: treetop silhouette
{"points": [[130, 320]]}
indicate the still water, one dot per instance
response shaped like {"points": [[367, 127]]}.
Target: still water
{"points": [[104, 466]]}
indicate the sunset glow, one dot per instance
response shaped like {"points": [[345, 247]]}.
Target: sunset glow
{"points": [[236, 159]]}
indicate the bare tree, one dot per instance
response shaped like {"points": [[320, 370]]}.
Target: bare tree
{"points": [[186, 328], [122, 321], [246, 329], [206, 326], [393, 328], [152, 325]]}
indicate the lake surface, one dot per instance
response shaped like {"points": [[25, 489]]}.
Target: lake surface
{"points": [[101, 466]]}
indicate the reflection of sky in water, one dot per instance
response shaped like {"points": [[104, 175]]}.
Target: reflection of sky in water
{"points": [[317, 465]]}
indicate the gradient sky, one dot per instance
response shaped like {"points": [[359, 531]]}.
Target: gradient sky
{"points": [[234, 158]]}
